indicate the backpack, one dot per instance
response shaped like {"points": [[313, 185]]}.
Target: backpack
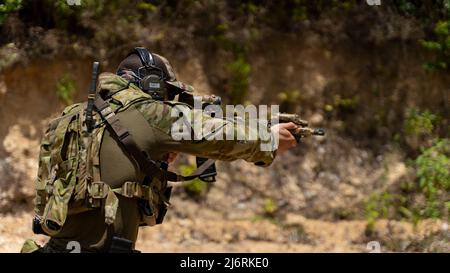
{"points": [[68, 179]]}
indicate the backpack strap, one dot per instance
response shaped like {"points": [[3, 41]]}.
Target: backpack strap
{"points": [[146, 165]]}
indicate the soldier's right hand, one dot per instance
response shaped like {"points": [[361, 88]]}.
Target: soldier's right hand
{"points": [[286, 140]]}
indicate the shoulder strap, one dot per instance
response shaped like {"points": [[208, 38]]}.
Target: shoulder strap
{"points": [[146, 165]]}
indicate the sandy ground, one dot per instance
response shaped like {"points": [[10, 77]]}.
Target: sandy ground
{"points": [[297, 234]]}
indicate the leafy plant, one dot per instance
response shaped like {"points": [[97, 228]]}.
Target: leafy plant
{"points": [[433, 174], [440, 46], [419, 123], [7, 7], [377, 206], [432, 171]]}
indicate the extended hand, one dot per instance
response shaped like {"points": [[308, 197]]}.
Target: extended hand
{"points": [[286, 140]]}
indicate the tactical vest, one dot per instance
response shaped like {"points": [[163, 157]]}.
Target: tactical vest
{"points": [[69, 179]]}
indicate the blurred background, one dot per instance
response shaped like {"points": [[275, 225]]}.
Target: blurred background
{"points": [[375, 76]]}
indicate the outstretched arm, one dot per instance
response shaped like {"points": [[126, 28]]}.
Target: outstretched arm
{"points": [[219, 138]]}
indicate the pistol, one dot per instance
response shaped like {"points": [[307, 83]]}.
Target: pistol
{"points": [[302, 130]]}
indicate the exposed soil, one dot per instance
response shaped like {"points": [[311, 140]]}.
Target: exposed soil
{"points": [[298, 234]]}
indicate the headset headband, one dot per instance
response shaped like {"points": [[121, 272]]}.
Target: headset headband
{"points": [[145, 56]]}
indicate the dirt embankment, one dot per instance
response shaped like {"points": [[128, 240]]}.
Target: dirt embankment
{"points": [[325, 180]]}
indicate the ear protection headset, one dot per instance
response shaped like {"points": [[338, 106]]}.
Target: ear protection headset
{"points": [[151, 79]]}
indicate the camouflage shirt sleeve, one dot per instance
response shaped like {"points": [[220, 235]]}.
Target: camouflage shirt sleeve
{"points": [[221, 139]]}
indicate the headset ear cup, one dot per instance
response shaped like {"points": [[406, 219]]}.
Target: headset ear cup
{"points": [[151, 82], [153, 85]]}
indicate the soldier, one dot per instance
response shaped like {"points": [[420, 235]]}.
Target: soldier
{"points": [[98, 188]]}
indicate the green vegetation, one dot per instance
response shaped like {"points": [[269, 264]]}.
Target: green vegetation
{"points": [[439, 38], [269, 208], [419, 123], [345, 104], [289, 99], [377, 206], [427, 196], [194, 188], [8, 7], [239, 71], [144, 6], [65, 89], [238, 68], [268, 212], [65, 14], [433, 174], [440, 46]]}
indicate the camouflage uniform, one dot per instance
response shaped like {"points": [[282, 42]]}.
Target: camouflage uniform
{"points": [[149, 122]]}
